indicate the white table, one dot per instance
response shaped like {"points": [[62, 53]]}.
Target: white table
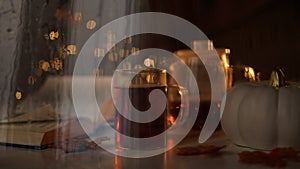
{"points": [[18, 158]]}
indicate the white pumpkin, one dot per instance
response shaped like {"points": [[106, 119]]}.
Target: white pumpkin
{"points": [[261, 116]]}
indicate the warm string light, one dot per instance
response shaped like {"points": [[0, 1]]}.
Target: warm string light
{"points": [[114, 53], [249, 73], [44, 65], [53, 35], [91, 24], [225, 61], [71, 50], [57, 48], [98, 52], [31, 80], [18, 95], [55, 63]]}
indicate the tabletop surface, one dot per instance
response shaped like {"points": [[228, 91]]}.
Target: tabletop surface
{"points": [[18, 158]]}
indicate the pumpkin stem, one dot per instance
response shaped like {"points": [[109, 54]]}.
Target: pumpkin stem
{"points": [[277, 78]]}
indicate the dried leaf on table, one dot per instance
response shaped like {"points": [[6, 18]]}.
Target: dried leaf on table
{"points": [[197, 150], [276, 158], [286, 153]]}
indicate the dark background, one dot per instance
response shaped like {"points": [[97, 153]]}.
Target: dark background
{"points": [[263, 34], [260, 33]]}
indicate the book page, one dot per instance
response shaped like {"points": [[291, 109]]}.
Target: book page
{"points": [[40, 127], [44, 113]]}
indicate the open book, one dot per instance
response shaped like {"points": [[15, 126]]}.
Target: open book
{"points": [[38, 129], [48, 115]]}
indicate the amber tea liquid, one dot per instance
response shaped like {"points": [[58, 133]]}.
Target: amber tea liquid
{"points": [[139, 99]]}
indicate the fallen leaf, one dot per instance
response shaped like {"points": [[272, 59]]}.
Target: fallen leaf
{"points": [[197, 150]]}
